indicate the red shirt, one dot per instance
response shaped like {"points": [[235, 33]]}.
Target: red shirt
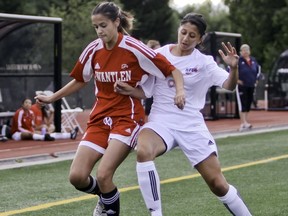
{"points": [[38, 114], [23, 121], [129, 61]]}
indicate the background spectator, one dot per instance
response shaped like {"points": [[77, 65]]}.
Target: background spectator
{"points": [[23, 124], [249, 71], [44, 117]]}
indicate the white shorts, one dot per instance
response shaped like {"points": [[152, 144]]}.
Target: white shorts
{"points": [[196, 145]]}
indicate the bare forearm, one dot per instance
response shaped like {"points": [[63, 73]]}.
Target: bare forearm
{"points": [[138, 93], [179, 82], [68, 89], [179, 99], [125, 89], [231, 82]]}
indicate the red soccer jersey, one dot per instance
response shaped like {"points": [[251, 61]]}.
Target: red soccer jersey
{"points": [[23, 121], [38, 114], [129, 61]]}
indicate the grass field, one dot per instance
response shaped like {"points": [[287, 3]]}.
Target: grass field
{"points": [[255, 164]]}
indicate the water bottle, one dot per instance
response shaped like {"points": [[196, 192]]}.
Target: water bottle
{"points": [[43, 130]]}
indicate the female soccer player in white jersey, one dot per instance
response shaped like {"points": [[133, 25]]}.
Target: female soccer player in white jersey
{"points": [[115, 119], [168, 126]]}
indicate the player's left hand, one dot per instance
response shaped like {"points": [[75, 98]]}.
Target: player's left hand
{"points": [[230, 58], [179, 99]]}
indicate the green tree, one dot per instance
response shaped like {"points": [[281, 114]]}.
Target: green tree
{"points": [[264, 28], [215, 16], [32, 7], [154, 20], [77, 29]]}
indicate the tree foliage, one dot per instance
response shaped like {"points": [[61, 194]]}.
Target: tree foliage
{"points": [[263, 25], [264, 28], [77, 28], [27, 7], [215, 16], [154, 20]]}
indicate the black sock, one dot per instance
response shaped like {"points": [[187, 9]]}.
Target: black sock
{"points": [[92, 188], [111, 202]]}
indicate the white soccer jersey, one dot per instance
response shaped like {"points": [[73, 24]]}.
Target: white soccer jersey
{"points": [[200, 72]]}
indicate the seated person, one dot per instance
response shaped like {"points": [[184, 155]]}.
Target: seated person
{"points": [[44, 117], [23, 124]]}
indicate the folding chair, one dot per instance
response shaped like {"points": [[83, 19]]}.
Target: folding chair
{"points": [[68, 115]]}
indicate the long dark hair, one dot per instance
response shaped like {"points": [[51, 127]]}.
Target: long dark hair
{"points": [[112, 12], [196, 19]]}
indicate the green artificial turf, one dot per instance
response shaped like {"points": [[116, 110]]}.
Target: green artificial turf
{"points": [[262, 183]]}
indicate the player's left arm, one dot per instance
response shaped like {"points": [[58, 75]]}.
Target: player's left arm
{"points": [[230, 58]]}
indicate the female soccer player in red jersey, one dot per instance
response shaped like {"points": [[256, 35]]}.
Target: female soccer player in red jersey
{"points": [[115, 119]]}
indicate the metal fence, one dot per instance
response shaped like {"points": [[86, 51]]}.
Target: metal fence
{"points": [[220, 103], [277, 86], [30, 59]]}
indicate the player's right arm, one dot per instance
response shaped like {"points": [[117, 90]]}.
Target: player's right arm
{"points": [[82, 73], [68, 89]]}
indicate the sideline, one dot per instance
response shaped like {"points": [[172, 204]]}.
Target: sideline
{"points": [[85, 197], [69, 155]]}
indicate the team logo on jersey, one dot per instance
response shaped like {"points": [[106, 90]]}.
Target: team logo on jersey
{"points": [[124, 66], [113, 76], [97, 66], [108, 121], [171, 82], [189, 71]]}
